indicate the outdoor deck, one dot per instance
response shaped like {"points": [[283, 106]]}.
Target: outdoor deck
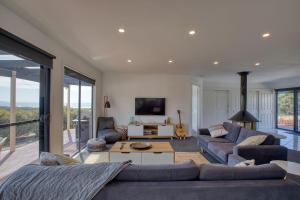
{"points": [[23, 155], [29, 153]]}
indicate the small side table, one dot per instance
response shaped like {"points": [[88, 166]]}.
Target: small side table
{"points": [[290, 167]]}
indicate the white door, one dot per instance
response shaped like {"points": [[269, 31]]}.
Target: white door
{"points": [[234, 102], [221, 106], [266, 110], [195, 108]]}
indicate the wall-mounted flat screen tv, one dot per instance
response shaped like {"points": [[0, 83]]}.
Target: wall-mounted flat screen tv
{"points": [[150, 106]]}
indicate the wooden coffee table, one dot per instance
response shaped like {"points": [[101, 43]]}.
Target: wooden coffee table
{"points": [[160, 153]]}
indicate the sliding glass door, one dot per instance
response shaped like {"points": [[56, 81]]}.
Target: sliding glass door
{"points": [[288, 112], [285, 109], [78, 111], [22, 112]]}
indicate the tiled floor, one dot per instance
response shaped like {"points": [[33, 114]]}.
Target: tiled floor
{"points": [[292, 140]]}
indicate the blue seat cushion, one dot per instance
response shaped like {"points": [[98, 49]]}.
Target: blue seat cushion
{"points": [[204, 140], [222, 150]]}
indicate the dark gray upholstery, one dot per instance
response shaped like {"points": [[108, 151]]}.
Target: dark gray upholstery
{"points": [[245, 133], [201, 190], [106, 130], [222, 150], [261, 153], [221, 147], [218, 172], [268, 185], [204, 140], [233, 131], [204, 131], [178, 172]]}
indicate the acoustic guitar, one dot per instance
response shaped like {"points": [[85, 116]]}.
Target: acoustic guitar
{"points": [[180, 129]]}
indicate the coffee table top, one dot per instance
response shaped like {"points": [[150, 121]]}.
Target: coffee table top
{"points": [[290, 167], [156, 147]]}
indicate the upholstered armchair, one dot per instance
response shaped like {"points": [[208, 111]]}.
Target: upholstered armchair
{"points": [[106, 130]]}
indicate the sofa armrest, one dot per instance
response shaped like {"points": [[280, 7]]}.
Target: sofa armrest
{"points": [[261, 153], [204, 131]]}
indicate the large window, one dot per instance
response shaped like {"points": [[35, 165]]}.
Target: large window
{"points": [[78, 111], [288, 102], [22, 116]]}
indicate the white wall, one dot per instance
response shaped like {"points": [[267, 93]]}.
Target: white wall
{"points": [[16, 25], [260, 103], [122, 88]]}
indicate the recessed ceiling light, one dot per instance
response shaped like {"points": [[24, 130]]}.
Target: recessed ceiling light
{"points": [[257, 64], [170, 61], [129, 61], [192, 32], [265, 35], [216, 63], [10, 57], [121, 30]]}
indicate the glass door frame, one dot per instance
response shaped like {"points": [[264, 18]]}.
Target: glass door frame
{"points": [[19, 47], [296, 91], [81, 78]]}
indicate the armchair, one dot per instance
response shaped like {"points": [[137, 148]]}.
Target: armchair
{"points": [[106, 130]]}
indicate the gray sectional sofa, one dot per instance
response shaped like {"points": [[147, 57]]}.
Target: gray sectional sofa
{"points": [[225, 150], [205, 182]]}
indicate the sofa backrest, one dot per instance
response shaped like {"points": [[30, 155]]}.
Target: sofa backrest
{"points": [[245, 133], [217, 172], [233, 131], [187, 171]]}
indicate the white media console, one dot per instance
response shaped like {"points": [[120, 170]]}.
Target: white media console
{"points": [[150, 130]]}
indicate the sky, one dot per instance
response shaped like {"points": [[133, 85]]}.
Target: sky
{"points": [[28, 93]]}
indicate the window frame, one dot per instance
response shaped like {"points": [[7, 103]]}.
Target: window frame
{"points": [[295, 90]]}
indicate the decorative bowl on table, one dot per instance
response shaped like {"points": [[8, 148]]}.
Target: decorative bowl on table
{"points": [[141, 145]]}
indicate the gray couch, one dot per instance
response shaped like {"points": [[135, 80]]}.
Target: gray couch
{"points": [[205, 182], [225, 150], [106, 130]]}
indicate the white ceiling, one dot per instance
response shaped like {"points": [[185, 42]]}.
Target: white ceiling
{"points": [[157, 30]]}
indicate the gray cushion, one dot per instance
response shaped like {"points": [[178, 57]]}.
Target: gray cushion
{"points": [[245, 133], [176, 172], [110, 135], [233, 131], [51, 159], [205, 139], [214, 172], [221, 149], [48, 159]]}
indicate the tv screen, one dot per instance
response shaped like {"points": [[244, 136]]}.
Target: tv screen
{"points": [[149, 106]]}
